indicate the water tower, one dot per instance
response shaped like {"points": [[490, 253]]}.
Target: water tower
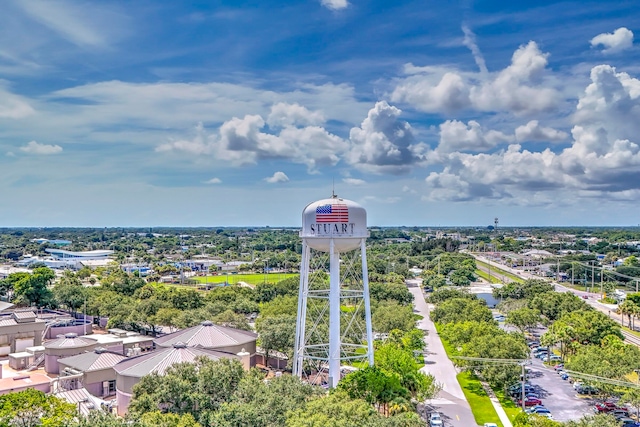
{"points": [[330, 331]]}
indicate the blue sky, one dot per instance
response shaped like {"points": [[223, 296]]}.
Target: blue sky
{"points": [[221, 113]]}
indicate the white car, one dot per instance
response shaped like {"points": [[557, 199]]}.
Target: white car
{"points": [[490, 425], [435, 420]]}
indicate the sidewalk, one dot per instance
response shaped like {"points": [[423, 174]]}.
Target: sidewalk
{"points": [[451, 401], [504, 419]]}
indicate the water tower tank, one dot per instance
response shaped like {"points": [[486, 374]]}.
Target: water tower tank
{"points": [[343, 220]]}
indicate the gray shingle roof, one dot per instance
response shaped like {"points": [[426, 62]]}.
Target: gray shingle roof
{"points": [[208, 335], [159, 360], [93, 361]]}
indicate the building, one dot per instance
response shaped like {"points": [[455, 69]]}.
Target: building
{"points": [[96, 368], [20, 330], [130, 371], [66, 346], [210, 336]]}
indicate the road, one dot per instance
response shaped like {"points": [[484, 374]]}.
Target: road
{"points": [[450, 402], [591, 298]]}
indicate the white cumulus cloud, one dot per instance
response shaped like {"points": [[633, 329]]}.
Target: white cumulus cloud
{"points": [[532, 131], [602, 161], [34, 147], [520, 88], [621, 39], [334, 4], [213, 181], [278, 177], [383, 143], [284, 114], [456, 136]]}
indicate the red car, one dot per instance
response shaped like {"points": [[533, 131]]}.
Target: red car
{"points": [[530, 401], [607, 407]]}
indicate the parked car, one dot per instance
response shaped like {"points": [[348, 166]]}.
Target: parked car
{"points": [[537, 409], [530, 401], [435, 420], [490, 425], [628, 422], [619, 413], [584, 389], [565, 376], [559, 367], [606, 407], [555, 358]]}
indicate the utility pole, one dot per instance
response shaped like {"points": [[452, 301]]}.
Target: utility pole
{"points": [[522, 387], [592, 272]]}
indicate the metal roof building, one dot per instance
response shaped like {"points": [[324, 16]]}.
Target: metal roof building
{"points": [[130, 371], [65, 346], [96, 367], [214, 337]]}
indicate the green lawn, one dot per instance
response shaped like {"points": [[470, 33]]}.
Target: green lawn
{"points": [[501, 271], [485, 276], [478, 399], [508, 405], [252, 279]]}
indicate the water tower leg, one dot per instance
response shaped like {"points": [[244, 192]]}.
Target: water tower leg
{"points": [[367, 302], [302, 310], [334, 316]]}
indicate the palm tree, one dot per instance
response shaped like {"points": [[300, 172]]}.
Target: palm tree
{"points": [[628, 308]]}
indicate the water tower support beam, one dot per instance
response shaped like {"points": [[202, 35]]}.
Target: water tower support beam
{"points": [[367, 302], [334, 315], [302, 310]]}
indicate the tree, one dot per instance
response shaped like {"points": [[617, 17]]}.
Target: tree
{"points": [[613, 359], [277, 333], [264, 404], [391, 315], [375, 386], [188, 388], [524, 318], [401, 362], [34, 289], [232, 320], [581, 327], [600, 420], [32, 408], [69, 293], [338, 410], [632, 398], [628, 308], [460, 310]]}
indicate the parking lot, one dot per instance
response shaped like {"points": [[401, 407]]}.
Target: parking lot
{"points": [[558, 395]]}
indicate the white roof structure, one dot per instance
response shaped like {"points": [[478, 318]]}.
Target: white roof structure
{"points": [[84, 255], [537, 253]]}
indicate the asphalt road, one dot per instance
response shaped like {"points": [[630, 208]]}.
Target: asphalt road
{"points": [[450, 402]]}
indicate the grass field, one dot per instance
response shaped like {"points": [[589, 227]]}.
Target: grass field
{"points": [[501, 271], [485, 276], [252, 279], [478, 399]]}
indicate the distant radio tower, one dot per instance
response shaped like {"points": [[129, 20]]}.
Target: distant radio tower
{"points": [[495, 224]]}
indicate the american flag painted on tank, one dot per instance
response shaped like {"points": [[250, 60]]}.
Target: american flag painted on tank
{"points": [[336, 212]]}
